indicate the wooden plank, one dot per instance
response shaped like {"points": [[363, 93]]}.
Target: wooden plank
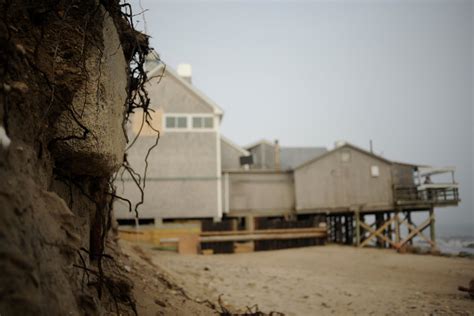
{"points": [[429, 171], [252, 236], [415, 232], [357, 228], [248, 246], [266, 231], [437, 186], [377, 233], [397, 228], [413, 228], [432, 228], [188, 244]]}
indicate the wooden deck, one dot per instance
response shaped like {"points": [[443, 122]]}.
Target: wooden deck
{"points": [[438, 195]]}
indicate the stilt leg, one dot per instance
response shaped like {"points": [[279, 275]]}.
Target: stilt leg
{"points": [[357, 216]]}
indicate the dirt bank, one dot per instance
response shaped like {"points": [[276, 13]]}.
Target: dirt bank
{"points": [[65, 93], [327, 280]]}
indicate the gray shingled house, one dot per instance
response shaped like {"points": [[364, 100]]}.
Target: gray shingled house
{"points": [[196, 173], [184, 175]]}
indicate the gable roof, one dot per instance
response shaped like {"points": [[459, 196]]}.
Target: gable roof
{"points": [[346, 145], [234, 145], [258, 143], [169, 71], [291, 157]]}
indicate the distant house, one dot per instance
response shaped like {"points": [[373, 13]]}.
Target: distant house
{"points": [[266, 188], [184, 174], [343, 179]]}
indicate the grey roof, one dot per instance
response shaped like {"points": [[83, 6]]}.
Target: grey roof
{"points": [[345, 145], [291, 157]]}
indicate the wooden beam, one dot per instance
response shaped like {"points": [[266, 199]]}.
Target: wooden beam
{"points": [[251, 236], [357, 215], [377, 233], [413, 228], [397, 228], [265, 231], [432, 228], [415, 232]]}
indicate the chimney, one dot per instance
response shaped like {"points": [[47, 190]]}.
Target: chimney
{"points": [[185, 71], [339, 143], [277, 155]]}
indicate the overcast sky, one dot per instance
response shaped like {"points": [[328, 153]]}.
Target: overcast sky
{"points": [[312, 72]]}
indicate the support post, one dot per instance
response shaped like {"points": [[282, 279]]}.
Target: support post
{"points": [[432, 227], [357, 216], [411, 223], [389, 228], [379, 220], [249, 223], [397, 227]]}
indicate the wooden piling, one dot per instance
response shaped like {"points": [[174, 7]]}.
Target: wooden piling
{"points": [[411, 223], [397, 227], [357, 216], [432, 227]]}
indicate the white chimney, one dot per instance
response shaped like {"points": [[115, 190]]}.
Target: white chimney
{"points": [[185, 71], [339, 143]]}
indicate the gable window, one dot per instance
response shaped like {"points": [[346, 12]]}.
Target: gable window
{"points": [[345, 156], [176, 122], [203, 122]]}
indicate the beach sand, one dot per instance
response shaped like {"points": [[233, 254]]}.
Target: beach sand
{"points": [[325, 280]]}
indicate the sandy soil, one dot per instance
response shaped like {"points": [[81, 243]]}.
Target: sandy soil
{"points": [[156, 292], [326, 280]]}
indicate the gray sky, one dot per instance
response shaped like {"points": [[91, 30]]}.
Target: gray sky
{"points": [[312, 72]]}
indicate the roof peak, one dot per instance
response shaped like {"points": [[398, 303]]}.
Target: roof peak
{"points": [[192, 88]]}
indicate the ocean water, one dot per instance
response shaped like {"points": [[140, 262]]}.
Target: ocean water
{"points": [[455, 245]]}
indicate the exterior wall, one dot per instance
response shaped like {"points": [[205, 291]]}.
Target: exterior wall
{"points": [[331, 184], [184, 170], [171, 199], [402, 175], [256, 193], [263, 156], [182, 180], [230, 156]]}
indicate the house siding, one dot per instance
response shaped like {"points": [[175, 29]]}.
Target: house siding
{"points": [[230, 156], [172, 96], [184, 170], [254, 193], [329, 183], [402, 175], [264, 156]]}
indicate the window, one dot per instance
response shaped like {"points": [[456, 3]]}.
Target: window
{"points": [[197, 122], [208, 122], [374, 171], [176, 122], [182, 122], [203, 122], [345, 156]]}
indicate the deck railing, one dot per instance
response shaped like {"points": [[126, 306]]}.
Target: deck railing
{"points": [[426, 194]]}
